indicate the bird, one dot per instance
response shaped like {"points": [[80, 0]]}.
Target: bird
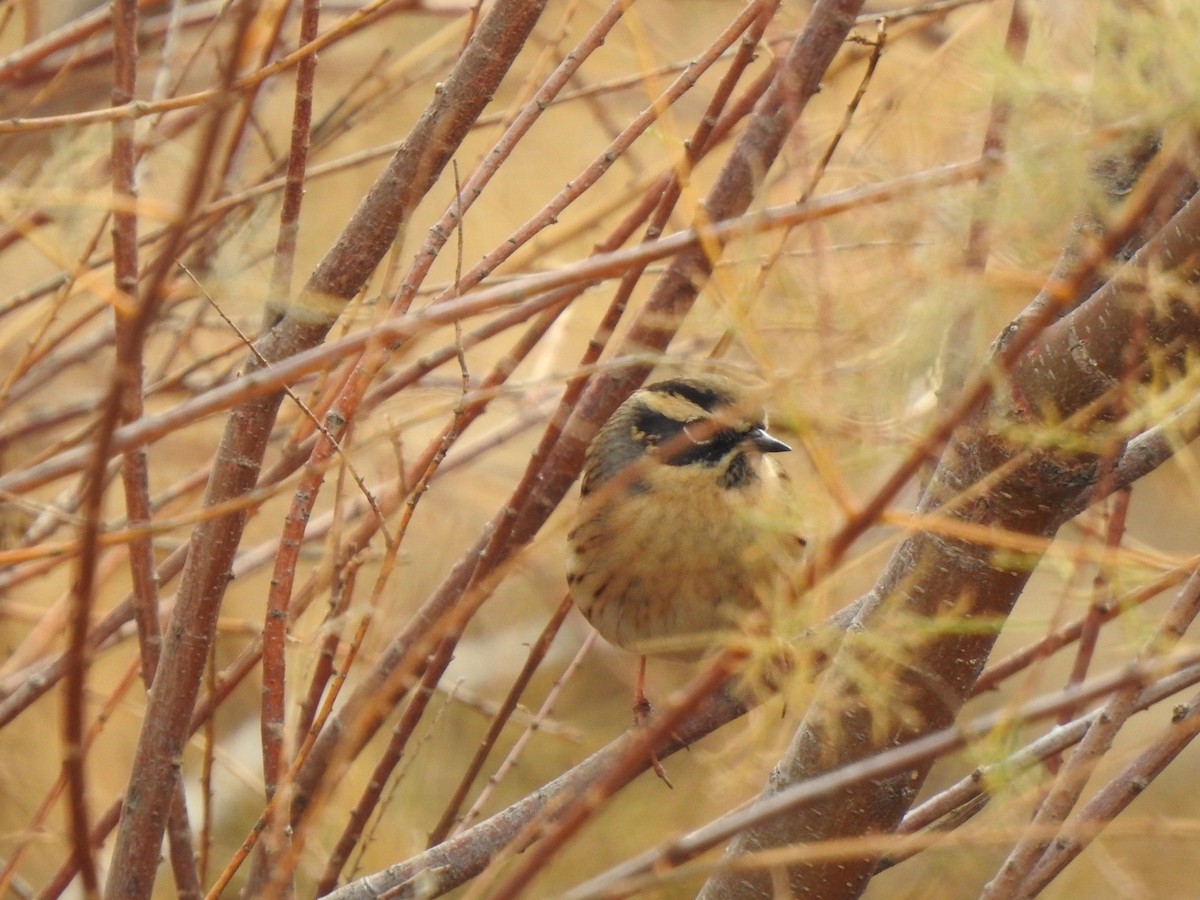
{"points": [[686, 521]]}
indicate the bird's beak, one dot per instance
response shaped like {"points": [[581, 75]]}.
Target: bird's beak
{"points": [[766, 443]]}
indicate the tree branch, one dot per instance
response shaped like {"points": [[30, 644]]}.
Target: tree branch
{"points": [[992, 474]]}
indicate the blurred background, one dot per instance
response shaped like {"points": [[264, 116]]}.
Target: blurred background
{"points": [[857, 323]]}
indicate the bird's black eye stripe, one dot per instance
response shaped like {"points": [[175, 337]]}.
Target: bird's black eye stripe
{"points": [[654, 429], [708, 453], [704, 397]]}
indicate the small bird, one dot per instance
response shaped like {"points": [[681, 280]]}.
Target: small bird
{"points": [[685, 523]]}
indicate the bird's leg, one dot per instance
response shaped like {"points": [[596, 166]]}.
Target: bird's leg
{"points": [[641, 706], [641, 715]]}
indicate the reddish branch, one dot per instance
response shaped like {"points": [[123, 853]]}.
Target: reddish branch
{"points": [[214, 542], [797, 79], [1036, 847], [124, 404], [448, 610], [275, 623], [1065, 373], [988, 478]]}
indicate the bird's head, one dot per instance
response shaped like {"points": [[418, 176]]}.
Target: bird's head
{"points": [[697, 430]]}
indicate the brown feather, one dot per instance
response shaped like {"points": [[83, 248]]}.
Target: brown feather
{"points": [[683, 528]]}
